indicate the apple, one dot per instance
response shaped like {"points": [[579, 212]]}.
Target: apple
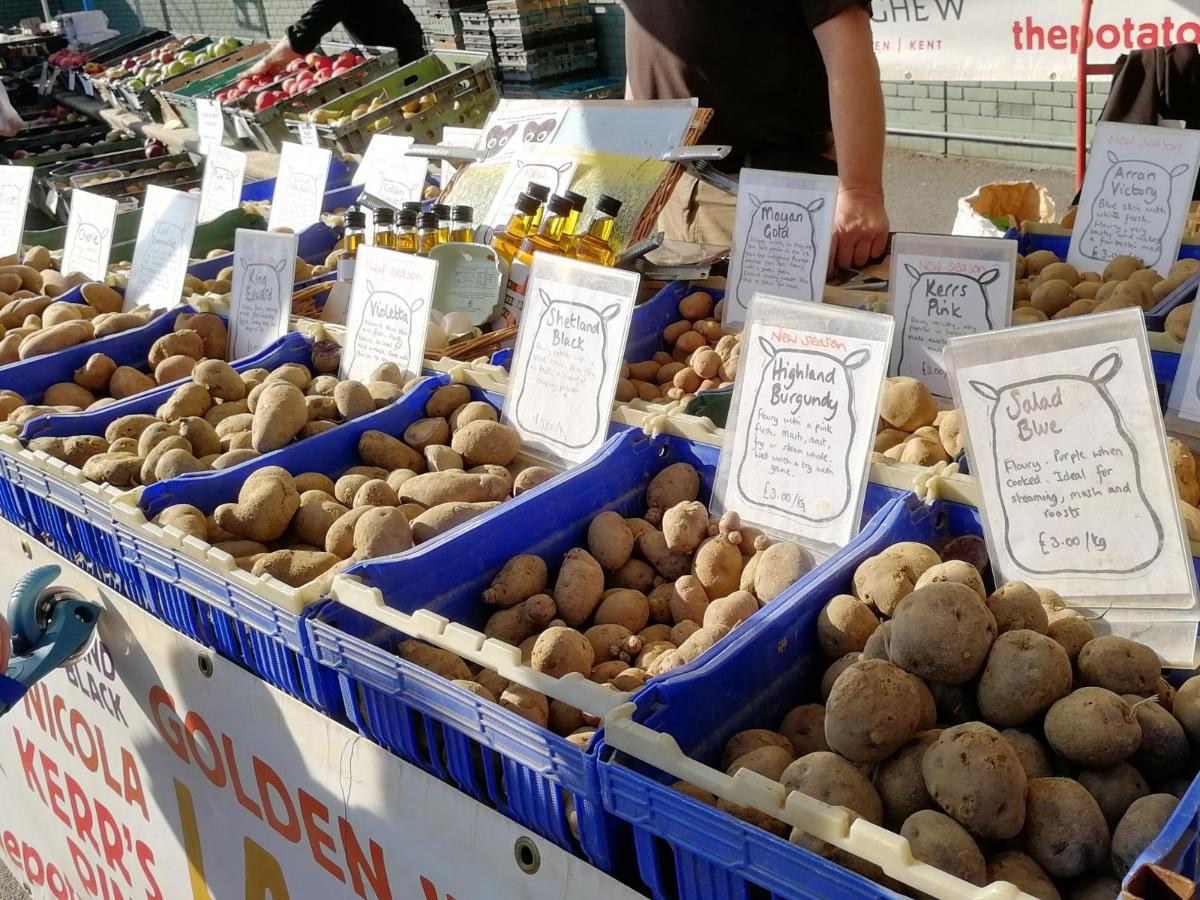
{"points": [[154, 148], [295, 65], [5, 644], [20, 154]]}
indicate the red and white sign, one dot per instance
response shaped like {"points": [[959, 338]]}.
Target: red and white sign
{"points": [[982, 40], [135, 776]]}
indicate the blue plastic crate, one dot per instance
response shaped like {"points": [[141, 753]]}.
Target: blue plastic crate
{"points": [[400, 706], [678, 838], [313, 244]]}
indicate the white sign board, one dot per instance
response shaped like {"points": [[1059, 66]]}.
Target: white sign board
{"points": [[455, 136], [1067, 444], [15, 182], [1135, 197], [210, 124], [299, 187], [568, 356], [307, 132], [261, 298], [89, 235], [802, 419], [398, 179], [388, 313], [164, 246], [943, 287], [552, 172], [134, 775], [781, 238], [221, 188], [382, 150], [960, 40], [518, 127]]}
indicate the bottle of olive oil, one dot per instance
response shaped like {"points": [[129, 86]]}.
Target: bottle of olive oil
{"points": [[506, 243], [462, 229], [548, 239], [385, 230], [406, 231], [596, 244], [427, 233]]}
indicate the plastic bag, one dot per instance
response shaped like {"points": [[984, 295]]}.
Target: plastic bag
{"points": [[994, 208]]}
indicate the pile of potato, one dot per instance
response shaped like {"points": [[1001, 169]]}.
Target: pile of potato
{"points": [[644, 597], [702, 357], [1049, 289], [912, 429], [455, 464], [100, 381], [996, 731]]}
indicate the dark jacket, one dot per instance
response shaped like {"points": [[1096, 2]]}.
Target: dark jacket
{"points": [[375, 23]]}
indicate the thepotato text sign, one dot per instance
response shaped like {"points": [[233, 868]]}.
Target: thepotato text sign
{"points": [[164, 244], [261, 298]]}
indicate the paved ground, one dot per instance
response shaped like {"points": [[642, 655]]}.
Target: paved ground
{"points": [[923, 191], [9, 889]]}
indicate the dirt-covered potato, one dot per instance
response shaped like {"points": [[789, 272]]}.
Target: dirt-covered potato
{"points": [[974, 775], [836, 781], [1015, 867], [1025, 674], [873, 709], [1064, 831], [900, 782], [884, 580], [1093, 727], [1016, 605], [1032, 753], [1120, 665], [1114, 788], [937, 839], [1164, 749], [942, 633], [804, 727], [1141, 823], [843, 626]]}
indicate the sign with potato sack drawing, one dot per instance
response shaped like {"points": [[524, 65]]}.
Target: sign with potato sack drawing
{"points": [[388, 313], [1135, 196], [568, 356], [164, 245], [15, 182], [88, 241], [299, 187], [942, 287], [1066, 441], [221, 188], [781, 238], [802, 419], [260, 302]]}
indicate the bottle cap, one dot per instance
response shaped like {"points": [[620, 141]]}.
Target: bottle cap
{"points": [[427, 220], [413, 205], [356, 218], [462, 214], [577, 200], [527, 205], [560, 206], [385, 215], [406, 218], [442, 211], [539, 192], [608, 205]]}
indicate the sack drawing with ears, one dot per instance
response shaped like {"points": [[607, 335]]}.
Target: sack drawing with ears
{"points": [[962, 308], [801, 242], [261, 308], [1028, 424], [85, 251], [221, 181], [385, 320], [789, 415], [9, 195], [584, 354], [545, 174], [1155, 183]]}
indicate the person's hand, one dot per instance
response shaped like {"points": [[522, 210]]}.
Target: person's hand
{"points": [[281, 54], [10, 122], [860, 228]]}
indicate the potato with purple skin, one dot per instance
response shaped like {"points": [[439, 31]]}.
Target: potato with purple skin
{"points": [[1119, 665], [900, 782], [1025, 674], [1115, 788], [836, 781], [748, 741], [1093, 727], [1034, 758], [1065, 831], [1016, 868], [768, 761], [873, 710], [1017, 606], [956, 572], [1164, 749], [941, 633], [938, 840], [974, 775], [804, 728], [1141, 824]]}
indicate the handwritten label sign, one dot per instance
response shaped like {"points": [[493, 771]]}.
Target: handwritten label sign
{"points": [[388, 313], [164, 244], [89, 234], [552, 172], [514, 128], [221, 188], [15, 182], [1135, 196], [455, 136], [380, 149], [803, 416], [1067, 443], [299, 187], [394, 178], [307, 132], [261, 300], [568, 355], [210, 124], [943, 287], [471, 279], [781, 238]]}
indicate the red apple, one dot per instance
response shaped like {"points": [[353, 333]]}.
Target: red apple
{"points": [[346, 58], [5, 644], [295, 65]]}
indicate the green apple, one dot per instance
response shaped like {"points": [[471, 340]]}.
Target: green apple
{"points": [[187, 58], [136, 84], [176, 68]]}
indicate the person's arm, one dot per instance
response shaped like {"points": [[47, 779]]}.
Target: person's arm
{"points": [[860, 228], [10, 122], [303, 37]]}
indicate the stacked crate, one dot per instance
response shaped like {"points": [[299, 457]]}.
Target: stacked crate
{"points": [[610, 37], [542, 43], [477, 31], [442, 21]]}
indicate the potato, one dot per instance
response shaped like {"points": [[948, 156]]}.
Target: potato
{"points": [[730, 611], [579, 587], [804, 728], [1071, 633], [1065, 831], [884, 580], [900, 782], [873, 709], [295, 568], [353, 400], [767, 761], [526, 703], [956, 572], [1119, 268], [528, 479], [745, 742], [942, 633], [1017, 868], [906, 404], [486, 443], [174, 368], [520, 578], [1120, 665], [974, 775], [376, 448], [1025, 674], [178, 343], [95, 373], [381, 531], [186, 518], [1114, 788], [434, 488], [475, 411], [220, 379], [717, 565], [1140, 825], [440, 662], [279, 414], [624, 607], [1186, 708], [937, 839], [1164, 749], [1030, 751], [844, 625], [1017, 606], [67, 393], [559, 650], [1093, 727], [117, 469], [54, 338], [609, 540], [685, 526], [776, 568], [264, 509], [677, 483], [210, 328], [836, 781]]}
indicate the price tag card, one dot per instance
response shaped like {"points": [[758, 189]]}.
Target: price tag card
{"points": [[221, 188], [455, 136], [1135, 197], [89, 89], [568, 356], [781, 238], [393, 177], [471, 279], [89, 234], [15, 182], [210, 124], [942, 287], [388, 313], [1066, 441], [553, 172], [164, 245], [70, 79], [308, 135], [241, 129], [802, 419], [299, 187], [261, 299]]}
